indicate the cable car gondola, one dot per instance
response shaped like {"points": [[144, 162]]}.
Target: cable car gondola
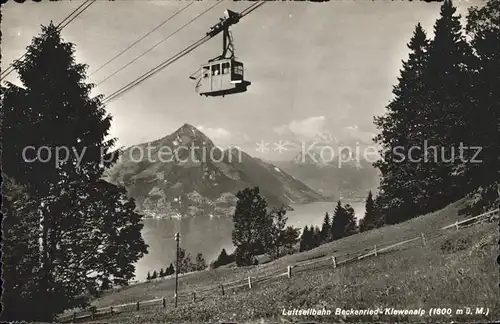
{"points": [[222, 75]]}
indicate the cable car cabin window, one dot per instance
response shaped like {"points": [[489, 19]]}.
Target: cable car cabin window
{"points": [[238, 69], [216, 69], [206, 71], [225, 68]]}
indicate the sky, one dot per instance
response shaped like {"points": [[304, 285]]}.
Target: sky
{"points": [[318, 70]]}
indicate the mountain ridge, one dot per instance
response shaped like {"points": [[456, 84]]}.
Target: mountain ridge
{"points": [[332, 178], [185, 174]]}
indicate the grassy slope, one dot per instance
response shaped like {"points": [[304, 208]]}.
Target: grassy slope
{"points": [[412, 277]]}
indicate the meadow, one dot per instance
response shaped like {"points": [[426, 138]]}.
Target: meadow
{"points": [[453, 269]]}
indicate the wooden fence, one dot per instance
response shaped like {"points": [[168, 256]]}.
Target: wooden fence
{"points": [[250, 281]]}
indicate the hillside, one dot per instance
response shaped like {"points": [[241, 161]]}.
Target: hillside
{"points": [[440, 273], [185, 173]]}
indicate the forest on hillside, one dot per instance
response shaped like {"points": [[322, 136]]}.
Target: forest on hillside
{"points": [[440, 134]]}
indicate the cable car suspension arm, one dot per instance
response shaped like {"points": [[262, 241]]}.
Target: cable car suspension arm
{"points": [[230, 18], [227, 46]]}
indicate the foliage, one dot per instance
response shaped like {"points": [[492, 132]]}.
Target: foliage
{"points": [[483, 26], [251, 226], [316, 237], [431, 117], [326, 229], [372, 218], [448, 78], [201, 264], [280, 237], [453, 245], [446, 100], [402, 127], [170, 270], [305, 239], [106, 284], [351, 226], [343, 222], [20, 263], [290, 239], [185, 262], [87, 228], [310, 238], [222, 259]]}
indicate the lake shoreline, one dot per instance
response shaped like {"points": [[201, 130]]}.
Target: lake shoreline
{"points": [[211, 216], [210, 235]]}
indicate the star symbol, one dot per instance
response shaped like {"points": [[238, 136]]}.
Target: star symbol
{"points": [[280, 146], [262, 147]]}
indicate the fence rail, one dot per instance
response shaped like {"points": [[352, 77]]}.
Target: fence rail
{"points": [[252, 280]]}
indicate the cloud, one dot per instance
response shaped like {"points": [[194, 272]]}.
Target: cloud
{"points": [[215, 133], [354, 132], [225, 138], [312, 127]]}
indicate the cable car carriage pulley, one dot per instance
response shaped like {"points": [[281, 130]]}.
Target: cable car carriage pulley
{"points": [[222, 75]]}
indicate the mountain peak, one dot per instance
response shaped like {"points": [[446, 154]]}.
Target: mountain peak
{"points": [[187, 133], [187, 128]]}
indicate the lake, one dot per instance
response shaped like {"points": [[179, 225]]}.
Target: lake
{"points": [[210, 236]]}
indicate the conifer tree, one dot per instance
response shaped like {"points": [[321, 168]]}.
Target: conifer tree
{"points": [[154, 275], [448, 83], [20, 271], [350, 226], [326, 229], [217, 262], [162, 274], [87, 228], [371, 219], [402, 127], [483, 26], [221, 260], [316, 237], [290, 238], [306, 239], [343, 222], [338, 218], [170, 270], [148, 277]]}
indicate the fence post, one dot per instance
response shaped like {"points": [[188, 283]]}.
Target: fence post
{"points": [[111, 310], [334, 262], [456, 225], [164, 302], [194, 296], [289, 271], [222, 288], [249, 282], [137, 306], [423, 239], [375, 249]]}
